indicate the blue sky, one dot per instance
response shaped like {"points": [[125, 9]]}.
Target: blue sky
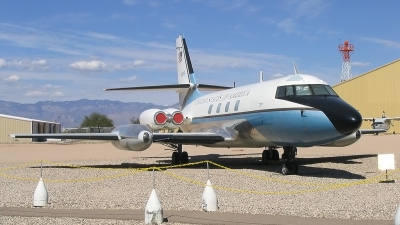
{"points": [[61, 51]]}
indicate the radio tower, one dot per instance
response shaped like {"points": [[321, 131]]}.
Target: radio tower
{"points": [[346, 50]]}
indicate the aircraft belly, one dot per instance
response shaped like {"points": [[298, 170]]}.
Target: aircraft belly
{"points": [[305, 127]]}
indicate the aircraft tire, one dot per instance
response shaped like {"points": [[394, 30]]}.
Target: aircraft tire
{"points": [[286, 168], [275, 155], [184, 157], [175, 158], [295, 168], [265, 157]]}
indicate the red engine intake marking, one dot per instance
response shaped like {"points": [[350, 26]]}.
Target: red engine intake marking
{"points": [[177, 118], [160, 118]]}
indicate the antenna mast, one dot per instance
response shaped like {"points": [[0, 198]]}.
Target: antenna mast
{"points": [[346, 49]]}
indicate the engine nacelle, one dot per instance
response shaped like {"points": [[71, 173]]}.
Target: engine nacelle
{"points": [[348, 140], [134, 137], [157, 119]]}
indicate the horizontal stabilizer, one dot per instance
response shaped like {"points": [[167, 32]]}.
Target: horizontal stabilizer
{"points": [[81, 136], [171, 87]]}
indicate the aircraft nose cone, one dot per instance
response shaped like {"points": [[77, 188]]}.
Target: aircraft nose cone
{"points": [[344, 117]]}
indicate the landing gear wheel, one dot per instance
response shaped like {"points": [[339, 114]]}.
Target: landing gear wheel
{"points": [[286, 168], [290, 168], [295, 168], [265, 157], [275, 155], [184, 157], [175, 158]]}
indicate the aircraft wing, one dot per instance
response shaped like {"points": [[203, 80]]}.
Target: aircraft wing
{"points": [[81, 136], [173, 138], [372, 131], [369, 119], [187, 138]]}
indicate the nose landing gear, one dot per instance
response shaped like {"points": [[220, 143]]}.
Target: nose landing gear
{"points": [[290, 166]]}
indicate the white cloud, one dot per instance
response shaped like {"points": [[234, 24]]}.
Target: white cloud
{"points": [[277, 75], [58, 94], [237, 65], [359, 63], [130, 78], [12, 78], [29, 64], [41, 62], [89, 66], [387, 43], [2, 62], [51, 86], [36, 94], [127, 66]]}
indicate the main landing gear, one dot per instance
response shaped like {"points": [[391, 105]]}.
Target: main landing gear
{"points": [[179, 157], [289, 153]]}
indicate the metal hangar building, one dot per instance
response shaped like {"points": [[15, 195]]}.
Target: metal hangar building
{"points": [[12, 125], [373, 92]]}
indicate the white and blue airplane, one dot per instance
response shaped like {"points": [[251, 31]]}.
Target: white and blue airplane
{"points": [[380, 125], [294, 111]]}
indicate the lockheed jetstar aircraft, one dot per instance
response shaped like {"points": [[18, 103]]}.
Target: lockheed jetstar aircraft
{"points": [[295, 111], [379, 125]]}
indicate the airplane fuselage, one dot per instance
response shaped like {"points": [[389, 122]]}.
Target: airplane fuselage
{"points": [[258, 115]]}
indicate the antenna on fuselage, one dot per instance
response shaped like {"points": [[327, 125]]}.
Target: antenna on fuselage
{"points": [[295, 68], [234, 84], [261, 77]]}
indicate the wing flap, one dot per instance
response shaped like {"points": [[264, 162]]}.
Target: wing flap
{"points": [[81, 136], [187, 138]]}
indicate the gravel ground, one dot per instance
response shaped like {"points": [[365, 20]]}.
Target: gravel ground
{"points": [[329, 186], [48, 220]]}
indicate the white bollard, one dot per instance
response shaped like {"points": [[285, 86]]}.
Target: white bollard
{"points": [[153, 212], [209, 200], [40, 196], [397, 218]]}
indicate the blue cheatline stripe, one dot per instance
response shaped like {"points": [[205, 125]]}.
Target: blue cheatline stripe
{"points": [[286, 127]]}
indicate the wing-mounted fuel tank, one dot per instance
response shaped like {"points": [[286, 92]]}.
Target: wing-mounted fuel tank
{"points": [[157, 119], [348, 140], [134, 137]]}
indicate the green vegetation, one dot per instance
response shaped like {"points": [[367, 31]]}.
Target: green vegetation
{"points": [[97, 120]]}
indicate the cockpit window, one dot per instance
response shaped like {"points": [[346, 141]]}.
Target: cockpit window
{"points": [[289, 91], [319, 89], [330, 90], [304, 90]]}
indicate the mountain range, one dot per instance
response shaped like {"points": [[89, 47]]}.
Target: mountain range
{"points": [[71, 113]]}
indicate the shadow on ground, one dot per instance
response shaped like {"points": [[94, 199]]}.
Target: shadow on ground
{"points": [[308, 167]]}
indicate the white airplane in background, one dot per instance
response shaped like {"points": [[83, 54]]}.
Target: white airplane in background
{"points": [[379, 125], [295, 111]]}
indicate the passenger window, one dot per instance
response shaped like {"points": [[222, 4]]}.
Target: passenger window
{"points": [[289, 91], [237, 105], [280, 92], [210, 109], [218, 107], [227, 106]]}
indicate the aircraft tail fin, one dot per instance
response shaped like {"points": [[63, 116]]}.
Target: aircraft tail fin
{"points": [[187, 87], [184, 64]]}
